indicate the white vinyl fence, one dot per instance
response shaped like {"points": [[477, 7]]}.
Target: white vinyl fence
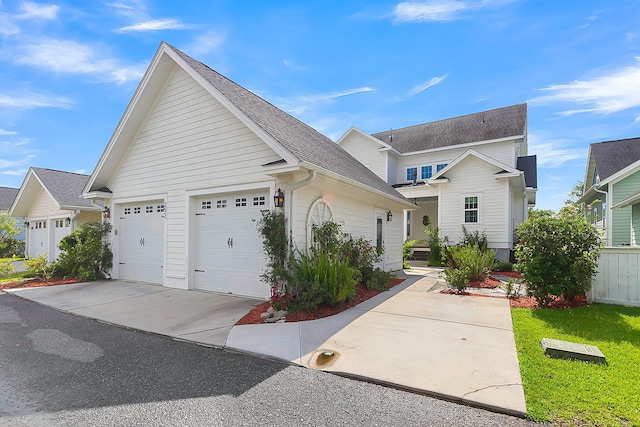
{"points": [[618, 278]]}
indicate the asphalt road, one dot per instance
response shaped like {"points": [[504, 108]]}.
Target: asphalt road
{"points": [[58, 369]]}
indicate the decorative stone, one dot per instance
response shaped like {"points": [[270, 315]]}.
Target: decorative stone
{"points": [[569, 350], [265, 315], [270, 310], [272, 319], [280, 313]]}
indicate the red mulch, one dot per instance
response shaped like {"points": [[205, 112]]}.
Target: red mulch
{"points": [[560, 303], [362, 294], [514, 274], [36, 283], [487, 283]]}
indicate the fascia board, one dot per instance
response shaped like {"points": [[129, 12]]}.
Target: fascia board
{"points": [[468, 144], [480, 156], [97, 195]]}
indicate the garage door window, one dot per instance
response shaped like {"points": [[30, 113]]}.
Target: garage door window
{"points": [[241, 202], [221, 204], [259, 201]]}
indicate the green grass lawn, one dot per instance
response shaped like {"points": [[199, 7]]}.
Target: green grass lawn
{"points": [[571, 392], [16, 276], [10, 259]]}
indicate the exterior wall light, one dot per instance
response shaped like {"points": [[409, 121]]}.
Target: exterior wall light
{"points": [[67, 221], [106, 213], [389, 216], [278, 199]]}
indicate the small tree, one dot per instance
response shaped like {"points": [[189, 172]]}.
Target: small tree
{"points": [[557, 254], [273, 229], [85, 252], [436, 245], [8, 231]]}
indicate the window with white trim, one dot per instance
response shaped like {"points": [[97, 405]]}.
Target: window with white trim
{"points": [[241, 202], [412, 173], [471, 207], [441, 166], [221, 204], [259, 201], [426, 172]]}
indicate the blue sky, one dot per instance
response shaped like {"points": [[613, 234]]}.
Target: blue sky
{"points": [[69, 68]]}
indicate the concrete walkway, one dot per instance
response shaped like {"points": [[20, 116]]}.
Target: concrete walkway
{"points": [[457, 347]]}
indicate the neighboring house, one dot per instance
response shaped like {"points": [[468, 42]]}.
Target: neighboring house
{"points": [[196, 158], [7, 195], [611, 193], [472, 171], [51, 204]]}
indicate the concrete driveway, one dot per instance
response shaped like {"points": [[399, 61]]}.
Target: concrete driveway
{"points": [[458, 347]]}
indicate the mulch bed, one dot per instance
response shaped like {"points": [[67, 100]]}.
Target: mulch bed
{"points": [[362, 294], [514, 274], [36, 283]]}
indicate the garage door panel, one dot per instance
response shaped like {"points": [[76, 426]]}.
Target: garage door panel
{"points": [[141, 242], [228, 250]]}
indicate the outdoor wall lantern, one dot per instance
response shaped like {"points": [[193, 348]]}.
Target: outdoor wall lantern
{"points": [[278, 199], [106, 213], [389, 216], [26, 224], [67, 221]]}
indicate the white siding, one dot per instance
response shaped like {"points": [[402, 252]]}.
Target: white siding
{"points": [[366, 151], [189, 141], [503, 152], [356, 209], [44, 206], [475, 176], [618, 277], [392, 168]]}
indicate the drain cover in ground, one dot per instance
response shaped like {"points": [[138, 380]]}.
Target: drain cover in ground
{"points": [[570, 350]]}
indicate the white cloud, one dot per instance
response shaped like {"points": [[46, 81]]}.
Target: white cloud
{"points": [[156, 25], [32, 10], [67, 56], [610, 93], [4, 164], [83, 171], [300, 104], [552, 153], [18, 172], [206, 43], [7, 132], [426, 85], [440, 10], [30, 101]]}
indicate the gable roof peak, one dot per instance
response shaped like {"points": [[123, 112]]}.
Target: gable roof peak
{"points": [[613, 156]]}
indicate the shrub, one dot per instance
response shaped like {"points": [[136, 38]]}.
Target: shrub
{"points": [[503, 266], [360, 254], [436, 245], [457, 278], [6, 268], [85, 253], [475, 238], [379, 280], [557, 255], [41, 268], [9, 245], [336, 279], [273, 229], [471, 259], [406, 248]]}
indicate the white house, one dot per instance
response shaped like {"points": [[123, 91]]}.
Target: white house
{"points": [[51, 204], [196, 158], [472, 171]]}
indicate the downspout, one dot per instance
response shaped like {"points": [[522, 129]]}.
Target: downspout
{"points": [[289, 195], [73, 217]]}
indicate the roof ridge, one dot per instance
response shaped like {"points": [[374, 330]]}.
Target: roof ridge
{"points": [[454, 118], [60, 171], [615, 140]]}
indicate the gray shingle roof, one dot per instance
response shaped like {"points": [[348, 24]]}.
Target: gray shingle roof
{"points": [[484, 126], [613, 156], [65, 187], [7, 195], [301, 140]]}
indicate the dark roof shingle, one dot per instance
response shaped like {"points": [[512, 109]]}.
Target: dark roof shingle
{"points": [[7, 195], [484, 126], [65, 187], [613, 156]]}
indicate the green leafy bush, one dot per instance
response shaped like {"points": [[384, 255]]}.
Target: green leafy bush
{"points": [[471, 259], [557, 255], [475, 238], [273, 229], [40, 268], [503, 266], [6, 268], [9, 245], [336, 279], [436, 246], [457, 278], [85, 252], [379, 280]]}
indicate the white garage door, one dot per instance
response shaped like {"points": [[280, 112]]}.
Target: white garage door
{"points": [[58, 228], [38, 238], [228, 249], [141, 241]]}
